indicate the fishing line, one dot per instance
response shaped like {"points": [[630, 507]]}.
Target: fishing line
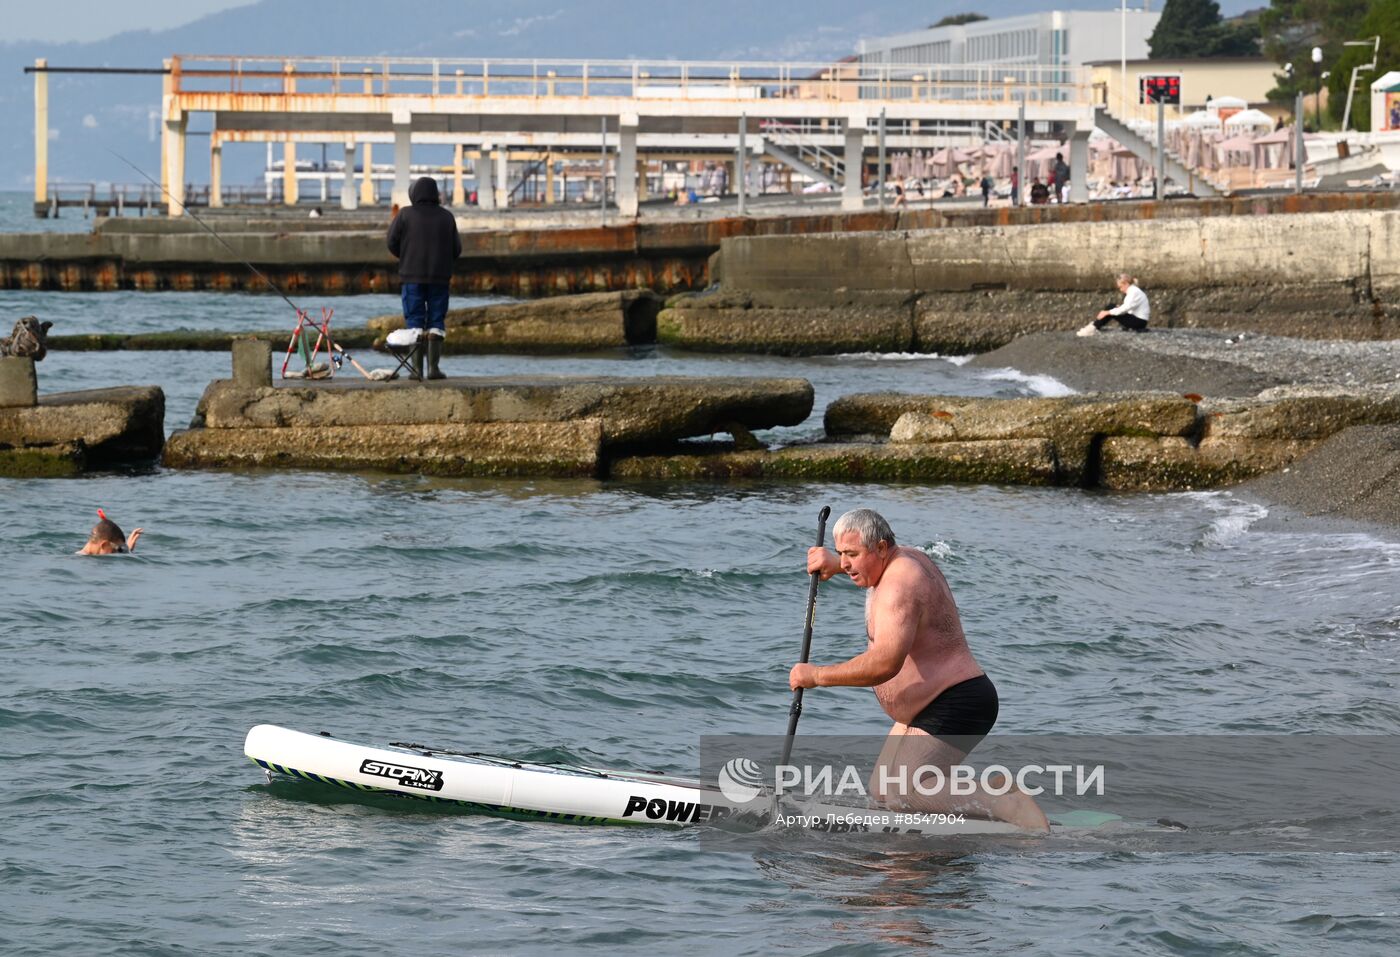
{"points": [[186, 210]]}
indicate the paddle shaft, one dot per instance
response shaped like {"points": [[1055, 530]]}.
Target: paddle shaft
{"points": [[795, 711]]}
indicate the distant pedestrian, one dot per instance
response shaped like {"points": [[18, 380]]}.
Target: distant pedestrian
{"points": [[1040, 193], [899, 199], [107, 539], [424, 237], [986, 190], [1015, 186], [1132, 314], [1061, 178]]}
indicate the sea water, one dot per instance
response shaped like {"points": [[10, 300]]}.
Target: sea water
{"points": [[613, 624]]}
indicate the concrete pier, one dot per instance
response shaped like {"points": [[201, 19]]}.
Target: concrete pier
{"points": [[550, 426], [1319, 275], [551, 253]]}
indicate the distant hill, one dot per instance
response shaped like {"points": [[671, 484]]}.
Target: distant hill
{"points": [[89, 115]]}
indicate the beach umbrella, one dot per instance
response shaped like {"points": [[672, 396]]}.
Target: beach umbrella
{"points": [[1249, 120], [1202, 119]]}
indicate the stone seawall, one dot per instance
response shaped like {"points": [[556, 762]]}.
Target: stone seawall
{"points": [[1320, 275], [327, 256]]}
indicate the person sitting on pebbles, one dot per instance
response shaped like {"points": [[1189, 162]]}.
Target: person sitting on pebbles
{"points": [[1132, 314], [107, 538]]}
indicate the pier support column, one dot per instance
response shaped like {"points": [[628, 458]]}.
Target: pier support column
{"points": [[403, 150], [459, 195], [486, 178], [367, 197], [626, 190], [502, 178], [1079, 166], [216, 173], [852, 196], [347, 185], [41, 135], [548, 179], [290, 187], [175, 163]]}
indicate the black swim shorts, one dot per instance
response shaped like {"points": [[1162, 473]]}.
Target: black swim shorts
{"points": [[962, 715]]}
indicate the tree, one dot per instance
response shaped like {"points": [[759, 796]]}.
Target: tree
{"points": [[1382, 21], [1193, 28], [958, 19]]}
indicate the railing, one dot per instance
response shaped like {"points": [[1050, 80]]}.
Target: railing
{"points": [[634, 79], [796, 136]]}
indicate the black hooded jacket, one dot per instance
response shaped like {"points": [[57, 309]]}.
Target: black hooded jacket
{"points": [[424, 236]]}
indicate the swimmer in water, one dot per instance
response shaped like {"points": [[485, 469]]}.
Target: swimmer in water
{"points": [[107, 538]]}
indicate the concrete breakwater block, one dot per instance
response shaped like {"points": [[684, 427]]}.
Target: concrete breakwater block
{"points": [[485, 449], [631, 411], [19, 385], [784, 325], [560, 324], [1175, 464], [70, 432], [1006, 461]]}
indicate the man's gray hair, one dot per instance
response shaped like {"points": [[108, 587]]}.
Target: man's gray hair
{"points": [[1127, 278], [869, 524]]}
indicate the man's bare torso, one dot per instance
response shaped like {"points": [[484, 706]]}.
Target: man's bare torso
{"points": [[939, 657]]}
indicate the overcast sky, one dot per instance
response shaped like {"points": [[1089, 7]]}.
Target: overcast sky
{"points": [[58, 21]]}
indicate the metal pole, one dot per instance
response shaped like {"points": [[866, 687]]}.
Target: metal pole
{"points": [[742, 167], [1298, 145], [880, 181], [603, 173], [1161, 149], [1021, 151], [1123, 62]]}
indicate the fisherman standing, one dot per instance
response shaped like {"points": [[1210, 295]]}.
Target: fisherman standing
{"points": [[920, 667], [425, 240]]}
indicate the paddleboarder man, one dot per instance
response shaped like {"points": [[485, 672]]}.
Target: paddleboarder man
{"points": [[920, 667]]}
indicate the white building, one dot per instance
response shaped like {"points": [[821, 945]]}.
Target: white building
{"points": [[1055, 38]]}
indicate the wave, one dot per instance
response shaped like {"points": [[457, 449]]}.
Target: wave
{"points": [[1041, 385]]}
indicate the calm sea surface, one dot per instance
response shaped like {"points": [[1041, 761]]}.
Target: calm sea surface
{"points": [[614, 624]]}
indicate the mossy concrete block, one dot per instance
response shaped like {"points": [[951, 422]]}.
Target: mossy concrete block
{"points": [[1017, 462], [530, 449], [811, 330], [19, 384], [1062, 418], [1298, 416], [43, 461], [633, 411], [1174, 464], [252, 362], [117, 425]]}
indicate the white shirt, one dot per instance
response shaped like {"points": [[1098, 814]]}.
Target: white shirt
{"points": [[1134, 304]]}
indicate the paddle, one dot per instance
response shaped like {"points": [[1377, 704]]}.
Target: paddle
{"points": [[795, 711]]}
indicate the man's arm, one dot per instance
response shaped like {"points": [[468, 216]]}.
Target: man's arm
{"points": [[897, 624], [396, 236]]}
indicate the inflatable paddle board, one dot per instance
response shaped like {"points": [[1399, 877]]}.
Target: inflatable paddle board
{"points": [[562, 792]]}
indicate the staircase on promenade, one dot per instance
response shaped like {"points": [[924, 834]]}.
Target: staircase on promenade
{"points": [[788, 144], [1146, 149]]}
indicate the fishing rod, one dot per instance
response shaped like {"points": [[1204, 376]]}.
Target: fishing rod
{"points": [[207, 228], [331, 344]]}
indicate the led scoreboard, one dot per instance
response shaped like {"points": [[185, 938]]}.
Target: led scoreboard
{"points": [[1160, 89]]}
